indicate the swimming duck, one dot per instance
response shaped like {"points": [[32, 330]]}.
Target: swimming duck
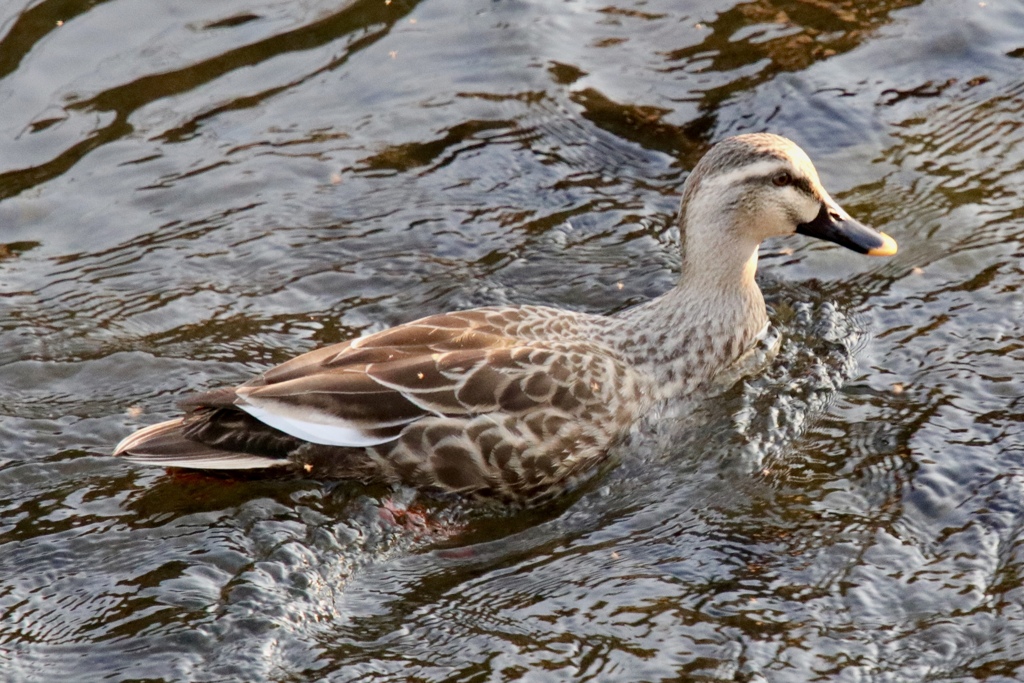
{"points": [[518, 402]]}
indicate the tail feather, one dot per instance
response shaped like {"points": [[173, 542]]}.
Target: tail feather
{"points": [[165, 445]]}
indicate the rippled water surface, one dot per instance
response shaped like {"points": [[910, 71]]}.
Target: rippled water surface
{"points": [[190, 192]]}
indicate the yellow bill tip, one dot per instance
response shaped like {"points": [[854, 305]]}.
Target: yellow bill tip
{"points": [[887, 248]]}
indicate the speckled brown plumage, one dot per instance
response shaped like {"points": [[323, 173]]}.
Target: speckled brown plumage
{"points": [[519, 402]]}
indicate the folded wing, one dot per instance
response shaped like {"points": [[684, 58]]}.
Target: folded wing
{"points": [[365, 392]]}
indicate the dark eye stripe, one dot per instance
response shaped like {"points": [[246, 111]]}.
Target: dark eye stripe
{"points": [[803, 184], [799, 182]]}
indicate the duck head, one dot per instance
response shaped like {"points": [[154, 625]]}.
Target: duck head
{"points": [[752, 187]]}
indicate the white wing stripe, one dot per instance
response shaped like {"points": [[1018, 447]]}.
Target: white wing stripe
{"points": [[228, 462], [336, 434]]}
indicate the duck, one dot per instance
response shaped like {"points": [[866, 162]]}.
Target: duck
{"points": [[520, 403]]}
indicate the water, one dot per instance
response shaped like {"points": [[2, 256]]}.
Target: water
{"points": [[190, 192]]}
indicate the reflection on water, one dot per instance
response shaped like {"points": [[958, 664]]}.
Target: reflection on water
{"points": [[189, 194]]}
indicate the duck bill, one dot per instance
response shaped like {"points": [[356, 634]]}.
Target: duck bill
{"points": [[835, 226]]}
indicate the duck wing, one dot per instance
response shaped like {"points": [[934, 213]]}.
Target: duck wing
{"points": [[365, 392]]}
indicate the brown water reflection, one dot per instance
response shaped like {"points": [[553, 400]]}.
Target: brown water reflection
{"points": [[191, 193]]}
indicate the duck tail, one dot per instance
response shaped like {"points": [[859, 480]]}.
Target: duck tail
{"points": [[166, 445]]}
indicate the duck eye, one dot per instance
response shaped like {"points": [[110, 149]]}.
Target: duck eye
{"points": [[782, 179]]}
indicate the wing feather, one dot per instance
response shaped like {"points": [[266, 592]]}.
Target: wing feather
{"points": [[365, 392]]}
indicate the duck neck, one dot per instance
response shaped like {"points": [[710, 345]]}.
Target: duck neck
{"points": [[687, 335]]}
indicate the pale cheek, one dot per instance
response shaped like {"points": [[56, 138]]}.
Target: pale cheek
{"points": [[773, 221], [809, 209]]}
